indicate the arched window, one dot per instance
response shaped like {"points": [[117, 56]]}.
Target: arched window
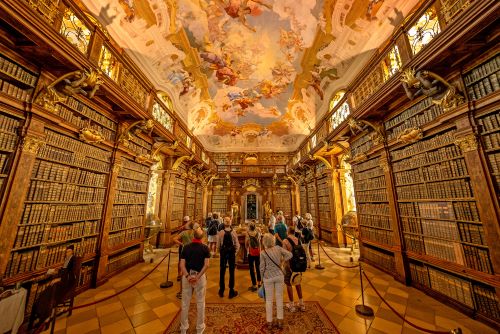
{"points": [[336, 99]]}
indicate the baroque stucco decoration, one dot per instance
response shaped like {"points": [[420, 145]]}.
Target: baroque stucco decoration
{"points": [[250, 75]]}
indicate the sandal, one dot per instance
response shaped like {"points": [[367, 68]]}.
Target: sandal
{"points": [[279, 324], [270, 325], [302, 308], [291, 308]]}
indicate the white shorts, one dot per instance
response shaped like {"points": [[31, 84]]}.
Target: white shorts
{"points": [[212, 238]]}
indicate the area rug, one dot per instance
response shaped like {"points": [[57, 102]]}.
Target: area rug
{"points": [[250, 318]]}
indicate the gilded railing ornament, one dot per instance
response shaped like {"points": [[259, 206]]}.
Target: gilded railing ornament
{"points": [[31, 145], [91, 136], [430, 84], [138, 126], [467, 143], [410, 135], [77, 82]]}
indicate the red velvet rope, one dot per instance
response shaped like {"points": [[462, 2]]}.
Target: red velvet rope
{"points": [[338, 264]]}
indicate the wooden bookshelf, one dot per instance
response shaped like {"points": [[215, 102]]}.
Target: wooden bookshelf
{"points": [[9, 140], [190, 199], [220, 199], [63, 205], [199, 203], [16, 81], [484, 79], [303, 199], [178, 202], [311, 194], [283, 201]]}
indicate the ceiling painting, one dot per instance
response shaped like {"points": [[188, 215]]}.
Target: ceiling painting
{"points": [[252, 75]]}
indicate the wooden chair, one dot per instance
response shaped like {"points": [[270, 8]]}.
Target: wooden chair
{"points": [[64, 294]]}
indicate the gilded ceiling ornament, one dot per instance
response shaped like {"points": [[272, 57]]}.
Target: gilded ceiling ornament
{"points": [[76, 82], [410, 135], [31, 145], [430, 84], [91, 136], [467, 143], [142, 125]]}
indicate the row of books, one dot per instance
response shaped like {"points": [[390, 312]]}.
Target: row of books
{"points": [[417, 120], [440, 229], [466, 210], [126, 222], [419, 274], [379, 195], [8, 141], [74, 145], [83, 122], [122, 260], [375, 221], [43, 257], [131, 185], [91, 113], [361, 145], [123, 197], [414, 243], [52, 171], [369, 184], [129, 164], [133, 175], [451, 286], [407, 177], [71, 158], [486, 301], [57, 213], [408, 113], [383, 259], [472, 233], [369, 85], [17, 72], [419, 160], [129, 210], [138, 149], [485, 86], [488, 123], [445, 170], [9, 124], [492, 141], [373, 208], [477, 258], [141, 142], [443, 249], [487, 68], [437, 190], [494, 159], [63, 192], [424, 145], [367, 174], [379, 236], [68, 232], [437, 210], [121, 237], [357, 168]]}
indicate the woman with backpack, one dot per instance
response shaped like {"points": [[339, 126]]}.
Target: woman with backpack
{"points": [[270, 270], [212, 230], [293, 269], [307, 236], [252, 244]]}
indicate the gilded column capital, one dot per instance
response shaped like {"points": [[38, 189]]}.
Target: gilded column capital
{"points": [[384, 164], [117, 166], [467, 143], [31, 144]]}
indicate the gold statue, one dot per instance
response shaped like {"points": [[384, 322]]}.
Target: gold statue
{"points": [[430, 84], [91, 136]]}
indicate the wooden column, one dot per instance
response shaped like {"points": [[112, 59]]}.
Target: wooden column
{"points": [[20, 182], [336, 208], [401, 273], [483, 191], [103, 253]]}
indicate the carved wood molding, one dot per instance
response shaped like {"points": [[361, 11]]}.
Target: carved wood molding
{"points": [[171, 146], [467, 143], [142, 125], [318, 157], [117, 166], [180, 160], [31, 145], [384, 164]]}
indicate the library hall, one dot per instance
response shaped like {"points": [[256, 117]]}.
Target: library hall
{"points": [[249, 166]]}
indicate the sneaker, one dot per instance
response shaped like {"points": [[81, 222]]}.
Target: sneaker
{"points": [[221, 293], [233, 294], [302, 308], [253, 288], [290, 307]]}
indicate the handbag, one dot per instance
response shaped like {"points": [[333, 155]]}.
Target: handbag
{"points": [[262, 292], [296, 278]]}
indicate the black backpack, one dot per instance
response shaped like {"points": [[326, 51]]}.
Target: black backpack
{"points": [[212, 227], [307, 234], [298, 262], [300, 226], [227, 246]]}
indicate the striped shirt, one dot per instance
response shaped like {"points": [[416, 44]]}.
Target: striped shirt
{"points": [[268, 269]]}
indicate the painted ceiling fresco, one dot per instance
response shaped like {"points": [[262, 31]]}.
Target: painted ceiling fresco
{"points": [[250, 75]]}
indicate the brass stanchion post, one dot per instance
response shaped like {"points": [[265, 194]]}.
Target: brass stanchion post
{"points": [[167, 283], [363, 309], [319, 266]]}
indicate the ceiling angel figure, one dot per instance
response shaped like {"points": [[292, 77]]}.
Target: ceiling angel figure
{"points": [[223, 71], [238, 9], [283, 73], [268, 89]]}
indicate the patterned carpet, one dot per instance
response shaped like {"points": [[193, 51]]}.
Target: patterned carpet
{"points": [[250, 318]]}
